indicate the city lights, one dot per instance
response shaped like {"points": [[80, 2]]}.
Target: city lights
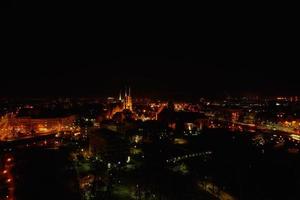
{"points": [[133, 145]]}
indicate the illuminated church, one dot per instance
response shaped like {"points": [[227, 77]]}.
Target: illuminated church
{"points": [[127, 100], [124, 104]]}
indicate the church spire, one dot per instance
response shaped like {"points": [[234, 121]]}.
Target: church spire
{"points": [[127, 100], [120, 95]]}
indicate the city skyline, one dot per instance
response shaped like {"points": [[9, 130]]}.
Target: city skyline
{"points": [[125, 147]]}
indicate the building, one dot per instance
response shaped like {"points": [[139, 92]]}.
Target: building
{"points": [[109, 146], [15, 126], [182, 122], [127, 100], [43, 125], [124, 103]]}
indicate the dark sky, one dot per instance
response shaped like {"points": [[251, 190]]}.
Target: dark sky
{"points": [[153, 76]]}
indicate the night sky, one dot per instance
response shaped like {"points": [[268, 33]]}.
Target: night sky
{"points": [[152, 76]]}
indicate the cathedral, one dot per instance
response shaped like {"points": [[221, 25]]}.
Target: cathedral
{"points": [[124, 103], [127, 100]]}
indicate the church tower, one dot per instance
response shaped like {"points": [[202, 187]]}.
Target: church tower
{"points": [[127, 99], [120, 95]]}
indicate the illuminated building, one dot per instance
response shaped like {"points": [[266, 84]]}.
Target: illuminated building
{"points": [[120, 96], [116, 108], [43, 125], [127, 101], [123, 104], [14, 126], [188, 123]]}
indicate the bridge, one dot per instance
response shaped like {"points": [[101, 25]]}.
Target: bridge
{"points": [[188, 156]]}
